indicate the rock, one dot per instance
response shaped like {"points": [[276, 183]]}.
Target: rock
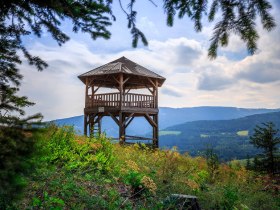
{"points": [[180, 201]]}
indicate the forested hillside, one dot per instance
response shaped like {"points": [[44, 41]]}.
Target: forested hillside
{"points": [[168, 117], [228, 138]]}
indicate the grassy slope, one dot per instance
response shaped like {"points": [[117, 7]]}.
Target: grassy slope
{"points": [[73, 172]]}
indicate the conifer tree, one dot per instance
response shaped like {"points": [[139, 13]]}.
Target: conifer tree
{"points": [[235, 17], [266, 139], [19, 18]]}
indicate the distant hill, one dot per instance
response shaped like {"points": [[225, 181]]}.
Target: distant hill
{"points": [[169, 117], [229, 138]]}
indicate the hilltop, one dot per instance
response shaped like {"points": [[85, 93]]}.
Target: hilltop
{"points": [[74, 172]]}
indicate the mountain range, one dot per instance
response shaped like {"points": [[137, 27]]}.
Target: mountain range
{"points": [[168, 117], [225, 129], [228, 138]]}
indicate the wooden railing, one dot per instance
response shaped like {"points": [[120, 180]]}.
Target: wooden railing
{"points": [[113, 100]]}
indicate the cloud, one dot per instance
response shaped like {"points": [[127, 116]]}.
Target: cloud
{"points": [[191, 78], [171, 91], [186, 54], [260, 72], [180, 51], [214, 82]]}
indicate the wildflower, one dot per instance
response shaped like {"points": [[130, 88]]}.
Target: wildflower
{"points": [[192, 184], [132, 165], [149, 184]]}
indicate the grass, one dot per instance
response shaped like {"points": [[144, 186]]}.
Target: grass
{"points": [[75, 172], [243, 133], [163, 133]]}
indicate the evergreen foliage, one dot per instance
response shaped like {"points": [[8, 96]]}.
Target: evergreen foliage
{"points": [[237, 17], [267, 139], [212, 161], [19, 19]]}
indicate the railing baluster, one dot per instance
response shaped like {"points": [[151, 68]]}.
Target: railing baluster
{"points": [[113, 100]]}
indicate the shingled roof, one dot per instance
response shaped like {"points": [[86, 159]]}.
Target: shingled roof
{"points": [[125, 66]]}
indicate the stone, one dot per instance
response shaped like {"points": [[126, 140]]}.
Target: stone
{"points": [[180, 201]]}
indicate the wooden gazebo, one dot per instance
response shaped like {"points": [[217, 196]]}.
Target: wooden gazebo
{"points": [[122, 106]]}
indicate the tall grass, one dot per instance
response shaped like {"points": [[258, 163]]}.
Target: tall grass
{"points": [[75, 172]]}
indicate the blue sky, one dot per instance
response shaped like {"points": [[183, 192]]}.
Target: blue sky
{"points": [[177, 53]]}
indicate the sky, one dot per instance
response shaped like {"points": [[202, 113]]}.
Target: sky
{"points": [[178, 53]]}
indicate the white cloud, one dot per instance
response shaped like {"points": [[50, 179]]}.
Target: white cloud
{"points": [[171, 91], [192, 79]]}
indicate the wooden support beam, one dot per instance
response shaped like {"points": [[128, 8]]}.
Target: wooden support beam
{"points": [[150, 120], [151, 91], [127, 91], [90, 82], [99, 117], [116, 80], [90, 117], [127, 119], [130, 120], [114, 118], [137, 138], [151, 81], [126, 80], [94, 91]]}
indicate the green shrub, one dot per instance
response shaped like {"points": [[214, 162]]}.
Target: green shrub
{"points": [[64, 149]]}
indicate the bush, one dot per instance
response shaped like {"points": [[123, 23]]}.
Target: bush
{"points": [[65, 149], [16, 150]]}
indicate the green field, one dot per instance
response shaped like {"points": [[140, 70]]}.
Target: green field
{"points": [[204, 135], [163, 133], [243, 133]]}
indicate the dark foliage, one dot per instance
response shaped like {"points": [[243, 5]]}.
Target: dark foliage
{"points": [[266, 138], [237, 17], [19, 19], [17, 138]]}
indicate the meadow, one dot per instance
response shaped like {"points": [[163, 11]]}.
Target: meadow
{"points": [[75, 172]]}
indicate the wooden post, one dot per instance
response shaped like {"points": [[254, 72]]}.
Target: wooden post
{"points": [[99, 124], [155, 131], [92, 95], [156, 92], [91, 124], [121, 127], [121, 90], [85, 124], [86, 92]]}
